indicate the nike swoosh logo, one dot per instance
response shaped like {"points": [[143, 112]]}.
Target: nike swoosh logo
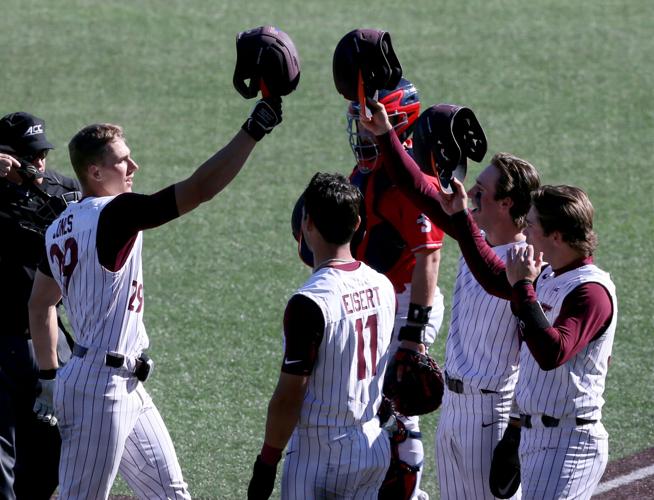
{"points": [[504, 491], [292, 361], [489, 424]]}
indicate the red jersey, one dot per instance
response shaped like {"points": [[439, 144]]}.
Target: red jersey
{"points": [[394, 228]]}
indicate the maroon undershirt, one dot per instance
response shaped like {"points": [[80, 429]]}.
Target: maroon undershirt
{"points": [[304, 327], [586, 311]]}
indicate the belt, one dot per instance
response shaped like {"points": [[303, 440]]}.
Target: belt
{"points": [[547, 421], [457, 386], [142, 365], [111, 359]]}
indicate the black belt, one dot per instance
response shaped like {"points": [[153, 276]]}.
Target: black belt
{"points": [[455, 385], [142, 366], [525, 421]]}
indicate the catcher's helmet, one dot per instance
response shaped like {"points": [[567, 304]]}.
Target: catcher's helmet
{"points": [[402, 105], [370, 53], [445, 136], [267, 57]]}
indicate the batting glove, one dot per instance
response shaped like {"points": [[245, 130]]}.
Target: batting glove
{"points": [[44, 405], [267, 113], [263, 480], [505, 467]]}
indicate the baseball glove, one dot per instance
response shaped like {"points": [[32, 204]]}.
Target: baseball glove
{"points": [[414, 383], [505, 466]]}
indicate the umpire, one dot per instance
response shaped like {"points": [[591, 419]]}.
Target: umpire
{"points": [[30, 198]]}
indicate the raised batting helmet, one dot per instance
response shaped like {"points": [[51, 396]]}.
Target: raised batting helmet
{"points": [[267, 57], [402, 105], [368, 52], [445, 136]]}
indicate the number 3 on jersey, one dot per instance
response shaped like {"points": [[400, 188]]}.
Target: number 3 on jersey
{"points": [[371, 325]]}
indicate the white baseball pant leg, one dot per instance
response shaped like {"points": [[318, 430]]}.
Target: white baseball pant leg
{"points": [[108, 421], [469, 428], [562, 462], [340, 462]]}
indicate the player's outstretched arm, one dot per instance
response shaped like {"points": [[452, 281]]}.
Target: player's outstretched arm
{"points": [[218, 171]]}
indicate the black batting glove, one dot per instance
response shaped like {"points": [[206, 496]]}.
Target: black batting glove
{"points": [[267, 113], [263, 480], [505, 466]]}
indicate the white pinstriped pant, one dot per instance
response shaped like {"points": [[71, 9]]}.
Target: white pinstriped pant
{"points": [[336, 462], [562, 462], [469, 428], [108, 423]]}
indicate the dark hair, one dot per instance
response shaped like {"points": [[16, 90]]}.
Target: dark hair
{"points": [[89, 144], [518, 178], [333, 204], [568, 210]]}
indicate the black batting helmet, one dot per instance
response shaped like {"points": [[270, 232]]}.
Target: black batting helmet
{"points": [[267, 57], [445, 136], [370, 52]]}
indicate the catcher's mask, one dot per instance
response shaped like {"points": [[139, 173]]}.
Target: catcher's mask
{"points": [[267, 57], [445, 136], [402, 105], [369, 53], [306, 255]]}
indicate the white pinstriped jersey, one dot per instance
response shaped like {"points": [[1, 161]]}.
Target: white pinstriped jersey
{"points": [[576, 387], [483, 347], [358, 307], [105, 308]]}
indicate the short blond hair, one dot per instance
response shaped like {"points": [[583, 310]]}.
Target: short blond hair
{"points": [[89, 144]]}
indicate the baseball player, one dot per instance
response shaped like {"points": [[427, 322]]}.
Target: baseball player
{"points": [[31, 196], [567, 312], [337, 330], [482, 348], [399, 241], [108, 421]]}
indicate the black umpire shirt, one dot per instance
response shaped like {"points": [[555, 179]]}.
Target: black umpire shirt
{"points": [[22, 228]]}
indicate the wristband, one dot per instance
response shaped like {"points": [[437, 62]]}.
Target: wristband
{"points": [[412, 333], [48, 374], [531, 317], [418, 314]]}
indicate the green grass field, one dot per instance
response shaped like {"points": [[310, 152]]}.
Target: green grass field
{"points": [[567, 85]]}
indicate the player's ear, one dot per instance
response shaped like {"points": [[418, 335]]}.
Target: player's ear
{"points": [[94, 172], [356, 226], [506, 203]]}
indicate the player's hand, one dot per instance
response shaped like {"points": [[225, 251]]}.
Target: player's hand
{"points": [[7, 162], [378, 123], [456, 201], [262, 482], [44, 405], [521, 264], [267, 114]]}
